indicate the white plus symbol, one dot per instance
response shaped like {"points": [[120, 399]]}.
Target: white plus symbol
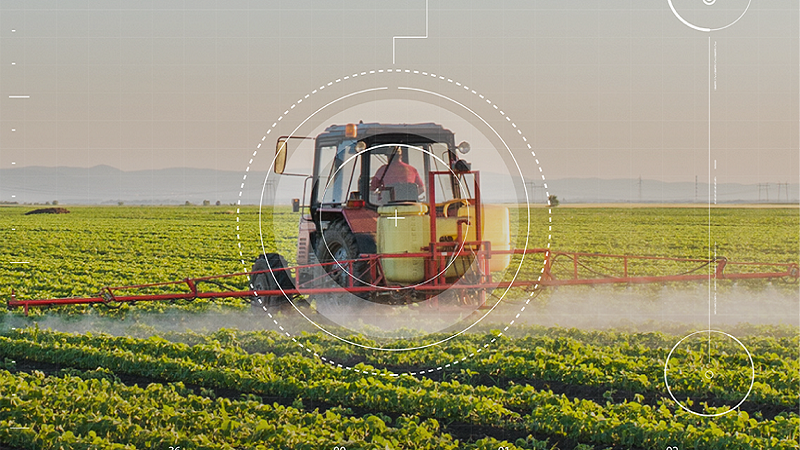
{"points": [[396, 217]]}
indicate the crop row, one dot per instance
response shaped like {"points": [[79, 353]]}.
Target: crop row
{"points": [[633, 364], [636, 368], [520, 408], [70, 412]]}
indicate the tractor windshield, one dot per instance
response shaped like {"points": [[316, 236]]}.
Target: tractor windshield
{"points": [[382, 173]]}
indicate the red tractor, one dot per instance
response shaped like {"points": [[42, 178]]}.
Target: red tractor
{"points": [[393, 216]]}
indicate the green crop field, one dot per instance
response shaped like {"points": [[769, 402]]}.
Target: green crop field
{"points": [[216, 375]]}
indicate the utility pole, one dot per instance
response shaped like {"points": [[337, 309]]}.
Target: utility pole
{"points": [[640, 189], [765, 187], [695, 188], [269, 191], [530, 186]]}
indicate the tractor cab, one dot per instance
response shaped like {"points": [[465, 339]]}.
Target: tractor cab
{"points": [[384, 189], [371, 165]]}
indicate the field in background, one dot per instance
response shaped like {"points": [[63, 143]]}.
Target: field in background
{"points": [[172, 377], [91, 247]]}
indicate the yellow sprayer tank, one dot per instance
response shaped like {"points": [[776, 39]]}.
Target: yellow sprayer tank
{"points": [[405, 228], [495, 229]]}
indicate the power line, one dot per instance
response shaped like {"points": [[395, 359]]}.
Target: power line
{"points": [[530, 186], [765, 188], [786, 191]]}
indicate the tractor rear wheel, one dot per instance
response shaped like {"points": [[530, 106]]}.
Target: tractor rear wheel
{"points": [[340, 244]]}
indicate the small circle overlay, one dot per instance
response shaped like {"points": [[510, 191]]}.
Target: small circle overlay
{"points": [[706, 29], [709, 374], [423, 74]]}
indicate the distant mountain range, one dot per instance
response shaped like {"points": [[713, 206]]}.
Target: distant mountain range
{"points": [[107, 185]]}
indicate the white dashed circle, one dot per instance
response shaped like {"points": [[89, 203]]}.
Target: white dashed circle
{"points": [[474, 93]]}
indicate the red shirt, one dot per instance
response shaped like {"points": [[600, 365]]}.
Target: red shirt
{"points": [[397, 173]]}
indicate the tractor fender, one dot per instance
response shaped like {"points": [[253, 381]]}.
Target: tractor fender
{"points": [[363, 223], [361, 220]]}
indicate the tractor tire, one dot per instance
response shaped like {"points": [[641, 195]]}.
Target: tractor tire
{"points": [[340, 244], [269, 282]]}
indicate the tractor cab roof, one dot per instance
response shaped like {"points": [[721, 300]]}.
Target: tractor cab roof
{"points": [[381, 133]]}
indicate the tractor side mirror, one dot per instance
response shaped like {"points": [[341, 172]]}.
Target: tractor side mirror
{"points": [[280, 155]]}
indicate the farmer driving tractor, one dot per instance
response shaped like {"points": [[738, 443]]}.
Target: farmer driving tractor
{"points": [[398, 177]]}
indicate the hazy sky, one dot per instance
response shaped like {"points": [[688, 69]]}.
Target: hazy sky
{"points": [[609, 89]]}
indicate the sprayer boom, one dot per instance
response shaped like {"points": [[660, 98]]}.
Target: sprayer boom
{"points": [[559, 269]]}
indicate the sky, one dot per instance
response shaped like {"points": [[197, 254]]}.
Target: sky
{"points": [[607, 89]]}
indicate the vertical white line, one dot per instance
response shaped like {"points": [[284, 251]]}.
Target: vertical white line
{"points": [[711, 266], [394, 38]]}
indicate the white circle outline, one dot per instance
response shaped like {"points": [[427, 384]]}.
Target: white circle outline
{"points": [[707, 30], [347, 341], [503, 114], [752, 374]]}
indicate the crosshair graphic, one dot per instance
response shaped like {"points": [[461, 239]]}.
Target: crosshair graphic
{"points": [[395, 217]]}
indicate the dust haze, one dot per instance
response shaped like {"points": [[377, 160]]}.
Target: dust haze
{"points": [[663, 308], [638, 308], [145, 323]]}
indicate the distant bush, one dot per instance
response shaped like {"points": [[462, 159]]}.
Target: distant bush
{"points": [[48, 211]]}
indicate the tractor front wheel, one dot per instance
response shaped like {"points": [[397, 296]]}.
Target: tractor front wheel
{"points": [[269, 281], [339, 244]]}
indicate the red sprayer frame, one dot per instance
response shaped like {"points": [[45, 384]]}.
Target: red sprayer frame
{"points": [[580, 263]]}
